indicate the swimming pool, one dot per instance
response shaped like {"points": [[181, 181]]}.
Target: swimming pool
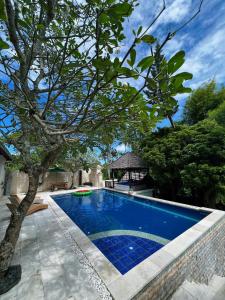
{"points": [[127, 229]]}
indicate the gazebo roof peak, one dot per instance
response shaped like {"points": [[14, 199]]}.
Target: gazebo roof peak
{"points": [[128, 160]]}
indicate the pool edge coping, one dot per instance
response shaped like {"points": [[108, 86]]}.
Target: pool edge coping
{"points": [[130, 284]]}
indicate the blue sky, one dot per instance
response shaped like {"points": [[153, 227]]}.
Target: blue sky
{"points": [[203, 40]]}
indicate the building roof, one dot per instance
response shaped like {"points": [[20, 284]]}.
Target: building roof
{"points": [[128, 161], [4, 152]]}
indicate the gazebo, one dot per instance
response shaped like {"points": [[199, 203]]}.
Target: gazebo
{"points": [[131, 168]]}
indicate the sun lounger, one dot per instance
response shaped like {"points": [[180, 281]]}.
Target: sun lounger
{"points": [[36, 206], [60, 185]]}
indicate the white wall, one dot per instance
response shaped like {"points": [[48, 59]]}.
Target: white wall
{"points": [[18, 181], [2, 174], [55, 177], [96, 177]]}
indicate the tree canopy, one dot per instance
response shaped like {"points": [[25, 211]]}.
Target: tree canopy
{"points": [[188, 162], [62, 77], [66, 79], [72, 160], [202, 101]]}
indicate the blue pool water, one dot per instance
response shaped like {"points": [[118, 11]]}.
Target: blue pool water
{"points": [[127, 229]]}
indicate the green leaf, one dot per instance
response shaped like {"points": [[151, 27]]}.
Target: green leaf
{"points": [[183, 90], [139, 30], [110, 74], [149, 39], [40, 26], [184, 76], [163, 85], [103, 18], [23, 23], [128, 73], [178, 79], [121, 9], [132, 57], [151, 83], [145, 63], [101, 63], [116, 63], [125, 71], [3, 44], [137, 41], [176, 62]]}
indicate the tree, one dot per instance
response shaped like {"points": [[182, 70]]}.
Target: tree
{"points": [[203, 100], [62, 82], [187, 162], [73, 160], [218, 114]]}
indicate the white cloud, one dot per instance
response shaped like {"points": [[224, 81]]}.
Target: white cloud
{"points": [[173, 46], [121, 148], [206, 57], [176, 11]]}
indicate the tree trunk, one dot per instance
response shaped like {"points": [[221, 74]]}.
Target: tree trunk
{"points": [[8, 244], [73, 179], [171, 121], [108, 171]]}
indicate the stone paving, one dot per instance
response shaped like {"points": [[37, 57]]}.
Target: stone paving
{"points": [[215, 290], [51, 268]]}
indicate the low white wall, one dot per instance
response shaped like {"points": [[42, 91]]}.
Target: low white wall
{"points": [[85, 176], [18, 181], [51, 178], [96, 177]]}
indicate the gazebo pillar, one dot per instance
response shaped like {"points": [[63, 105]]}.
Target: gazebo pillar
{"points": [[128, 162], [129, 180], [113, 178]]}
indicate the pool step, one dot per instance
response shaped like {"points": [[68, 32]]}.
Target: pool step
{"points": [[196, 291]]}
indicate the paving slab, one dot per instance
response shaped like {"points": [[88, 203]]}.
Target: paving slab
{"points": [[51, 269]]}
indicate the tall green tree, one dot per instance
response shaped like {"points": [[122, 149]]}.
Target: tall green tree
{"points": [[61, 83], [218, 114], [202, 101], [187, 162]]}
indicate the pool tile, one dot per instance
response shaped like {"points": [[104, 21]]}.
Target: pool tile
{"points": [[125, 252]]}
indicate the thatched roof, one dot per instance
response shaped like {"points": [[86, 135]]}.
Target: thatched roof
{"points": [[4, 152], [128, 161]]}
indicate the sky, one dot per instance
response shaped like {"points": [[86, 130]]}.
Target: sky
{"points": [[203, 40]]}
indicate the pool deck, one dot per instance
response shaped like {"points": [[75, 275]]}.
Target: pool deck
{"points": [[60, 262], [53, 267]]}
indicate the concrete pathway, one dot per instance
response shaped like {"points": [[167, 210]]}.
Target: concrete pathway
{"points": [[52, 269]]}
